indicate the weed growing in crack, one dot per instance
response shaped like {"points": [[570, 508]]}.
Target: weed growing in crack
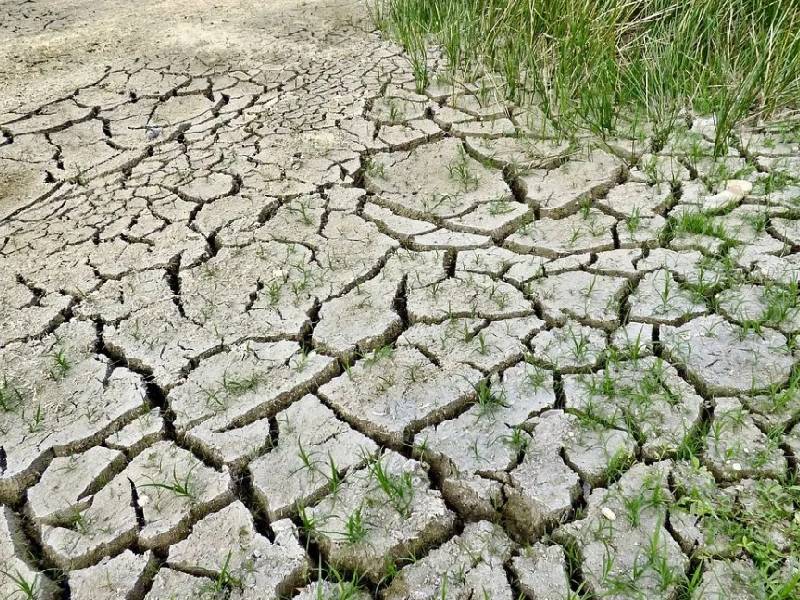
{"points": [[461, 173], [385, 382], [772, 446], [379, 354], [779, 397], [575, 234], [586, 207], [781, 303], [37, 420], [415, 372], [274, 292], [390, 571], [775, 181], [572, 554], [306, 216], [435, 201], [374, 169], [488, 401], [634, 349], [355, 528], [306, 460], [394, 110], [649, 167], [604, 386], [721, 172], [634, 220], [608, 556], [498, 297], [619, 463], [346, 589], [475, 447], [592, 415], [236, 386], [664, 291], [698, 223], [214, 400], [225, 580], [334, 479], [483, 347], [579, 343], [517, 440], [307, 522], [61, 364], [77, 522], [589, 289], [535, 376], [749, 529], [10, 396], [633, 509], [347, 365], [418, 54], [421, 446], [399, 489], [209, 270], [757, 222], [300, 362], [500, 206], [181, 487], [29, 590]]}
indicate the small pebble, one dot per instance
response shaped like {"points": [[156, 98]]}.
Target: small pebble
{"points": [[609, 514], [740, 187]]}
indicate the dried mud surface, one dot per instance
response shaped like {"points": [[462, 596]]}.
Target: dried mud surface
{"points": [[275, 322]]}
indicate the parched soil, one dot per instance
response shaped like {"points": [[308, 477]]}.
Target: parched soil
{"points": [[275, 322]]}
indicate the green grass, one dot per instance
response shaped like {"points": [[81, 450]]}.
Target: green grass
{"points": [[355, 528], [181, 487], [225, 580], [751, 530], [24, 588], [611, 65], [399, 489]]}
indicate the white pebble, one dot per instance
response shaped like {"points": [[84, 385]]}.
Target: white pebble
{"points": [[740, 187], [609, 514]]}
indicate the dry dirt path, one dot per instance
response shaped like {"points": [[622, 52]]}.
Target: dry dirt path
{"points": [[273, 320]]}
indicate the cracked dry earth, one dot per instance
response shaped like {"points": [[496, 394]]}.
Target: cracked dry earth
{"points": [[273, 320]]}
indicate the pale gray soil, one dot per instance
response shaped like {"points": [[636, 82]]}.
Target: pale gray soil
{"points": [[273, 321]]}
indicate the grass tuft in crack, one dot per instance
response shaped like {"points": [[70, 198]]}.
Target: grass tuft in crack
{"points": [[27, 589], [399, 489]]}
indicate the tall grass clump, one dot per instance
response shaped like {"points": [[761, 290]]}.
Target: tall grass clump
{"points": [[602, 64]]}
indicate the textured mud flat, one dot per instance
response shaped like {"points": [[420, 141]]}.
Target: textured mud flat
{"points": [[276, 323]]}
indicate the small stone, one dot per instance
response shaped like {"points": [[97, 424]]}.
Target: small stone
{"points": [[740, 187], [609, 514]]}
